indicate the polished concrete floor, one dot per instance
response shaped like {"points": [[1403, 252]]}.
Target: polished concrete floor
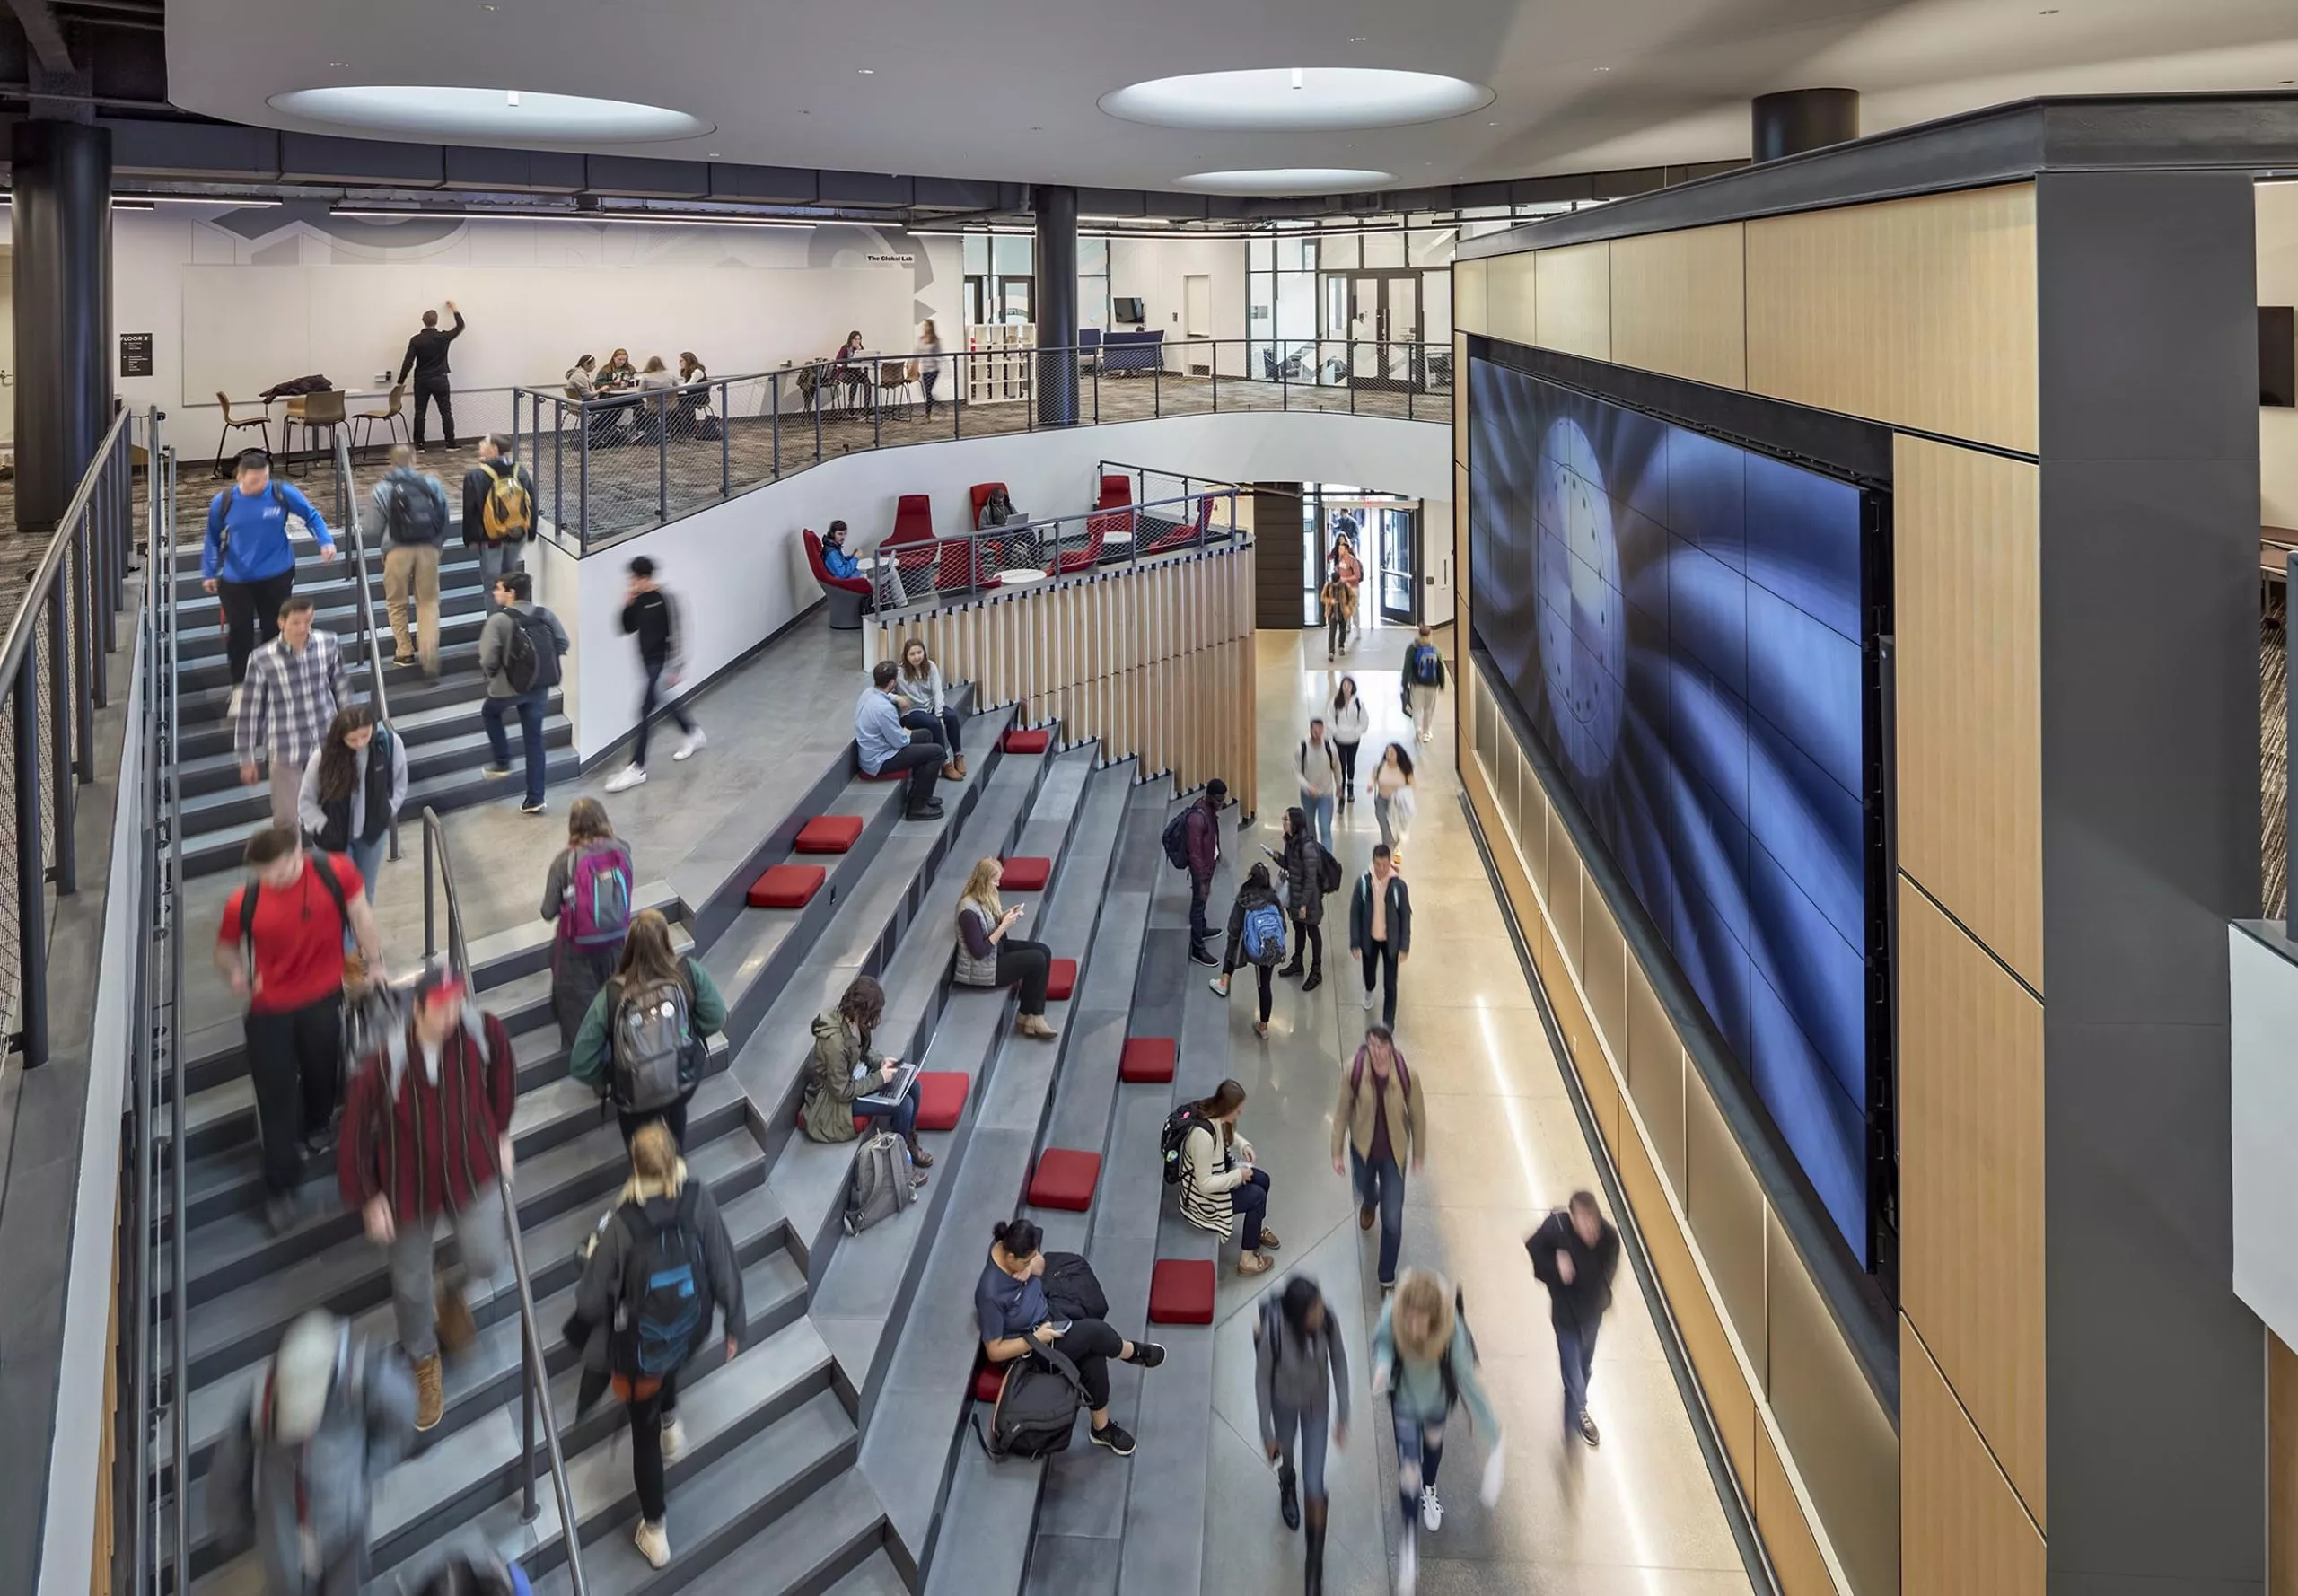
{"points": [[1639, 1515]]}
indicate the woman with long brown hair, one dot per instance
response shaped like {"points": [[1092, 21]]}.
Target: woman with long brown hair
{"points": [[1220, 1184], [846, 1067], [353, 788], [587, 897], [988, 955], [920, 686], [642, 1043]]}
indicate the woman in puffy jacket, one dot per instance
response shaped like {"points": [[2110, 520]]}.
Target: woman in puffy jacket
{"points": [[1303, 862]]}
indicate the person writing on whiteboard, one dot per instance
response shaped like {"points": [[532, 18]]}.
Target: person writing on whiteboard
{"points": [[426, 357]]}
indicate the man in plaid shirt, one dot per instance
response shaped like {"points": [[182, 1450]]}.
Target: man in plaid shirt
{"points": [[295, 683]]}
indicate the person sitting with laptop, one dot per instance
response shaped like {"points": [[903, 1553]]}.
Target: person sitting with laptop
{"points": [[847, 1079]]}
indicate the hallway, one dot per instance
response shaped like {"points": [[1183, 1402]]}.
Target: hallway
{"points": [[1641, 1514]]}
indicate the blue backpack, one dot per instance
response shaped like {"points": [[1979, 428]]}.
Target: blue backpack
{"points": [[1265, 934], [666, 1302]]}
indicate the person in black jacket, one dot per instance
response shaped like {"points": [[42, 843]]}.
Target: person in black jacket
{"points": [[1380, 928], [1575, 1252], [1258, 892], [647, 612], [426, 357], [1303, 862]]}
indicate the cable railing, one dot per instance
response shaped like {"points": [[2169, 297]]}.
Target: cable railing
{"points": [[348, 516], [613, 463], [534, 1372]]}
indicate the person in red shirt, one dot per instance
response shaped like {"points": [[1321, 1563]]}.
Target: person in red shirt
{"points": [[280, 945], [427, 1134]]}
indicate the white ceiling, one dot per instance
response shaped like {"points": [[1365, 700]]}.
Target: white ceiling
{"points": [[1006, 90]]}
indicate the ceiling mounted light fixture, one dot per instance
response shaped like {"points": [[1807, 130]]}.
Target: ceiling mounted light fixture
{"points": [[1297, 99], [1287, 180], [453, 112]]}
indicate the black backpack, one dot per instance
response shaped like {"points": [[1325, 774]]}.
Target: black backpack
{"points": [[1170, 1140], [1452, 1382], [320, 863], [531, 659], [1176, 838], [666, 1302], [419, 518], [1328, 871], [1037, 1407]]}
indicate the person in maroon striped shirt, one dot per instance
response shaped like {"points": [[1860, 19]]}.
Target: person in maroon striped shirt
{"points": [[427, 1134]]}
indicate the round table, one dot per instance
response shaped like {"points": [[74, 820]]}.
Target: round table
{"points": [[1023, 573]]}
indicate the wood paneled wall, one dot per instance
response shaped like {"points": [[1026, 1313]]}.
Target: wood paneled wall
{"points": [[1155, 660], [1572, 300], [1963, 1528], [1676, 304], [1511, 289]]}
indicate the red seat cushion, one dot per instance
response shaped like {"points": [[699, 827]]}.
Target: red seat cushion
{"points": [[1026, 873], [988, 1382], [1146, 1059], [1065, 1178], [798, 1118], [881, 775], [1032, 741], [940, 1099], [1061, 980], [787, 886], [1181, 1290], [828, 834]]}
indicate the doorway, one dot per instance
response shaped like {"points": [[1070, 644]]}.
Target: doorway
{"points": [[1385, 531], [1379, 313], [1197, 307]]}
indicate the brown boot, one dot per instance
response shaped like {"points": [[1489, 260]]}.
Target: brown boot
{"points": [[456, 1330], [961, 763], [949, 772], [430, 1394], [1035, 1025]]}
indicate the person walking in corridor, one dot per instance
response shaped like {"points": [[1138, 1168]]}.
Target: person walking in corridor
{"points": [[1380, 929], [498, 511], [246, 560], [426, 357], [1301, 1387], [1256, 937], [1393, 798], [1310, 872], [1200, 840], [587, 897], [1424, 1359], [411, 508], [1335, 597], [1382, 1120], [1318, 765], [1576, 1253], [1424, 683], [519, 653], [1349, 722], [295, 683], [648, 614]]}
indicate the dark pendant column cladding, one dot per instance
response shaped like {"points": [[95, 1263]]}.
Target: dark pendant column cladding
{"points": [[1795, 120], [63, 313], [1057, 290]]}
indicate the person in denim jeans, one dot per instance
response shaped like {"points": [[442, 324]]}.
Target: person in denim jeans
{"points": [[514, 593], [1382, 1122]]}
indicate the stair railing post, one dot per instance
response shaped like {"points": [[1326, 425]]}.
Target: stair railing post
{"points": [[774, 394], [725, 440], [661, 456], [527, 1376]]}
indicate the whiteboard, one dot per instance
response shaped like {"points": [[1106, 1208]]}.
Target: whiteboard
{"points": [[247, 328]]}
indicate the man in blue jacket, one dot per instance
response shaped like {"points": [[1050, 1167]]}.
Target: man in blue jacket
{"points": [[886, 745], [246, 560]]}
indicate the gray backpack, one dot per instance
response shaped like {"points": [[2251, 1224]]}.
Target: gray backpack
{"points": [[655, 1055], [880, 1186]]}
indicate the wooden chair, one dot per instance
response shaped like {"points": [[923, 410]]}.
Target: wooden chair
{"points": [[897, 377], [394, 417], [261, 421], [312, 412]]}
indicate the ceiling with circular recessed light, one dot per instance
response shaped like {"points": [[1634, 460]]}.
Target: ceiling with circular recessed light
{"points": [[493, 115], [1118, 94]]}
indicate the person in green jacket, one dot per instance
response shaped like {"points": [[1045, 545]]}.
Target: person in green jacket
{"points": [[846, 1066], [1424, 1360], [648, 960]]}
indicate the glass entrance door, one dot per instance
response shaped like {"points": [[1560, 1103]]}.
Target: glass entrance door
{"points": [[1400, 594], [1383, 327]]}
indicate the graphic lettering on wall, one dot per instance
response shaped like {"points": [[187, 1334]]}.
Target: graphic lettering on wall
{"points": [[903, 259], [135, 354]]}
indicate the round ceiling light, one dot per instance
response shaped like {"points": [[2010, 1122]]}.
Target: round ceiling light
{"points": [[488, 113], [1287, 180], [1296, 99]]}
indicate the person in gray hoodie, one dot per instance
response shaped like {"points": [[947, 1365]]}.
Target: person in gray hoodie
{"points": [[295, 1472], [1297, 1361]]}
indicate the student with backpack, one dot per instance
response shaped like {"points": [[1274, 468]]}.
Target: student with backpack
{"points": [[295, 1470], [1301, 1387], [1335, 598], [1424, 683], [1311, 871], [411, 508], [498, 511], [1380, 929], [1318, 765], [1013, 1303], [662, 1266], [352, 789], [1256, 934], [1424, 1359], [587, 897], [247, 561], [1213, 1166], [1576, 1253], [1192, 842], [645, 1038], [280, 945], [1383, 1121], [427, 1135], [845, 1067], [519, 650], [648, 614], [1350, 722]]}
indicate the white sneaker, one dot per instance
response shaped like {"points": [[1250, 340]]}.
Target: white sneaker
{"points": [[232, 708], [1432, 1511], [673, 1439], [626, 778], [1368, 1000], [693, 740], [653, 1543], [1408, 1564]]}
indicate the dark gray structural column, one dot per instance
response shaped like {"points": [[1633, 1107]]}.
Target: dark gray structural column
{"points": [[1056, 308], [63, 313], [1277, 532], [1795, 120], [2149, 468]]}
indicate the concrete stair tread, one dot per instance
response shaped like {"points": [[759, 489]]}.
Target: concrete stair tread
{"points": [[209, 666], [428, 733], [440, 759], [877, 1576], [203, 640], [792, 1553], [202, 695], [192, 526]]}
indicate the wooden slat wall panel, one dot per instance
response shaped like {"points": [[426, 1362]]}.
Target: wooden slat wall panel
{"points": [[1963, 1527], [1510, 284], [1971, 1165], [1918, 312], [1573, 299], [1967, 593], [1787, 1533], [1469, 296], [1678, 303]]}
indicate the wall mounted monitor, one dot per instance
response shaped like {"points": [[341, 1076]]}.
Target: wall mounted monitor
{"points": [[1685, 625], [2277, 356], [1127, 310]]}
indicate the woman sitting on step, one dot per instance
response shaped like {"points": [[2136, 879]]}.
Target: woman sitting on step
{"points": [[1018, 1317], [988, 955], [845, 1068]]}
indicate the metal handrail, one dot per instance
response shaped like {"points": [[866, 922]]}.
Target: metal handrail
{"points": [[892, 593], [534, 1368], [347, 500], [160, 484]]}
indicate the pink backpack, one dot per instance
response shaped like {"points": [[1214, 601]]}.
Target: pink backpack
{"points": [[596, 910]]}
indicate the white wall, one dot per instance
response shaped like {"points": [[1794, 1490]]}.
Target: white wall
{"points": [[1152, 270], [2277, 213]]}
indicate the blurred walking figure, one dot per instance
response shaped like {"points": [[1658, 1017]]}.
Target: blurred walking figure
{"points": [[1575, 1252], [1424, 684], [1301, 1381], [1424, 1359]]}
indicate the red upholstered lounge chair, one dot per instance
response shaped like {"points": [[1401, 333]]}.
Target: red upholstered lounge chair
{"points": [[848, 595], [1183, 534], [1113, 513], [911, 542], [981, 492]]}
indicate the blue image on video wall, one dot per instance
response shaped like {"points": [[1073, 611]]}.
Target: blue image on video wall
{"points": [[1681, 621]]}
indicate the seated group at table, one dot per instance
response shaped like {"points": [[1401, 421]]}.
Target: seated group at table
{"points": [[626, 387]]}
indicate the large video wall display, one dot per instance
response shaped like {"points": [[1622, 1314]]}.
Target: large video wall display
{"points": [[1684, 625]]}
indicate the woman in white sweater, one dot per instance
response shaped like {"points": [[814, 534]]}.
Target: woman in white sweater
{"points": [[929, 363], [1220, 1183], [1349, 722], [927, 704]]}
